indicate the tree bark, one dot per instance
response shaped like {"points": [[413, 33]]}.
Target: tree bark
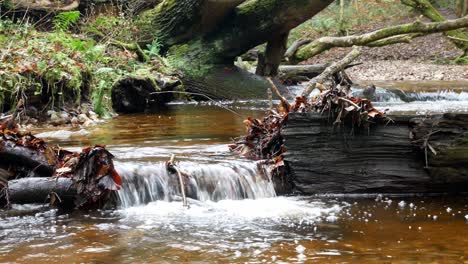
{"points": [[176, 21], [39, 190], [269, 62], [326, 159], [245, 27]]}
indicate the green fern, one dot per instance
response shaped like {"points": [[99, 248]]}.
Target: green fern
{"points": [[154, 48], [64, 20]]}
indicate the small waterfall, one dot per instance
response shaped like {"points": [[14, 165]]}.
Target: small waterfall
{"points": [[396, 95], [146, 182]]}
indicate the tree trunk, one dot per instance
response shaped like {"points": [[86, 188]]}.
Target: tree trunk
{"points": [[246, 26], [269, 62], [462, 8], [176, 21], [326, 159]]}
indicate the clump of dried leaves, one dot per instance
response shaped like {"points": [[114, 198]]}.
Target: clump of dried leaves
{"points": [[264, 140], [92, 170]]}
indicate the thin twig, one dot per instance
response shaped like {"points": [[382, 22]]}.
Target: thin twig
{"points": [[457, 39], [270, 99], [203, 95], [181, 180], [350, 102], [277, 92]]}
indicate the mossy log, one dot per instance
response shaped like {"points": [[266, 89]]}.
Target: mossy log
{"points": [[321, 158], [458, 37], [378, 38], [133, 94], [204, 36], [246, 26], [44, 6], [176, 21]]}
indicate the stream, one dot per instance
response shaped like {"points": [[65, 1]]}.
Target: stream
{"points": [[237, 216]]}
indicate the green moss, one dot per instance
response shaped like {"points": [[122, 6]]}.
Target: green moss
{"points": [[161, 23], [57, 64], [191, 59]]}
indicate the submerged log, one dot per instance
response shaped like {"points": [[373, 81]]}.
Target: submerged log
{"points": [[321, 158]]}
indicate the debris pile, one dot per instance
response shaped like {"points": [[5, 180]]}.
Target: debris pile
{"points": [[264, 140], [26, 159]]}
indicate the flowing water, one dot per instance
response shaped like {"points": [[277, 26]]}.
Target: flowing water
{"points": [[236, 216]]}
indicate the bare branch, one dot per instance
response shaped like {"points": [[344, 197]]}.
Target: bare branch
{"points": [[277, 92], [379, 37], [429, 11], [335, 67], [291, 51]]}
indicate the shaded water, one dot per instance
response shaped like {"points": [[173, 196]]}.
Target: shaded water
{"points": [[238, 217]]}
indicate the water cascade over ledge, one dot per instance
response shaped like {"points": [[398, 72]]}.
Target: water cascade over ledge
{"points": [[147, 182]]}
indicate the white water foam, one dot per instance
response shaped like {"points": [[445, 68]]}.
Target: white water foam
{"points": [[147, 182]]}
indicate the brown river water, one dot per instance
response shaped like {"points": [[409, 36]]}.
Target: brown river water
{"points": [[239, 219]]}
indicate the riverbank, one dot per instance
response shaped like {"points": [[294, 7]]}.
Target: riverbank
{"points": [[406, 70], [430, 57], [425, 59]]}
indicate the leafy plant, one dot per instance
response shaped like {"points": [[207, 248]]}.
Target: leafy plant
{"points": [[154, 48], [64, 20], [105, 77]]}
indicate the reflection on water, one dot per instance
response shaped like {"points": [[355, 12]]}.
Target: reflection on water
{"points": [[281, 229], [219, 228]]}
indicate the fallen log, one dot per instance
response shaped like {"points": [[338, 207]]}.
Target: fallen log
{"points": [[27, 162], [323, 158], [135, 94], [300, 73], [378, 38], [41, 190], [82, 180], [340, 144], [25, 155]]}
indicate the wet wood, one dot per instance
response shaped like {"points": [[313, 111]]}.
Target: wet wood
{"points": [[41, 190], [384, 159], [25, 159]]}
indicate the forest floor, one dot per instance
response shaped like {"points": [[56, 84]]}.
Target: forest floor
{"points": [[425, 58]]}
